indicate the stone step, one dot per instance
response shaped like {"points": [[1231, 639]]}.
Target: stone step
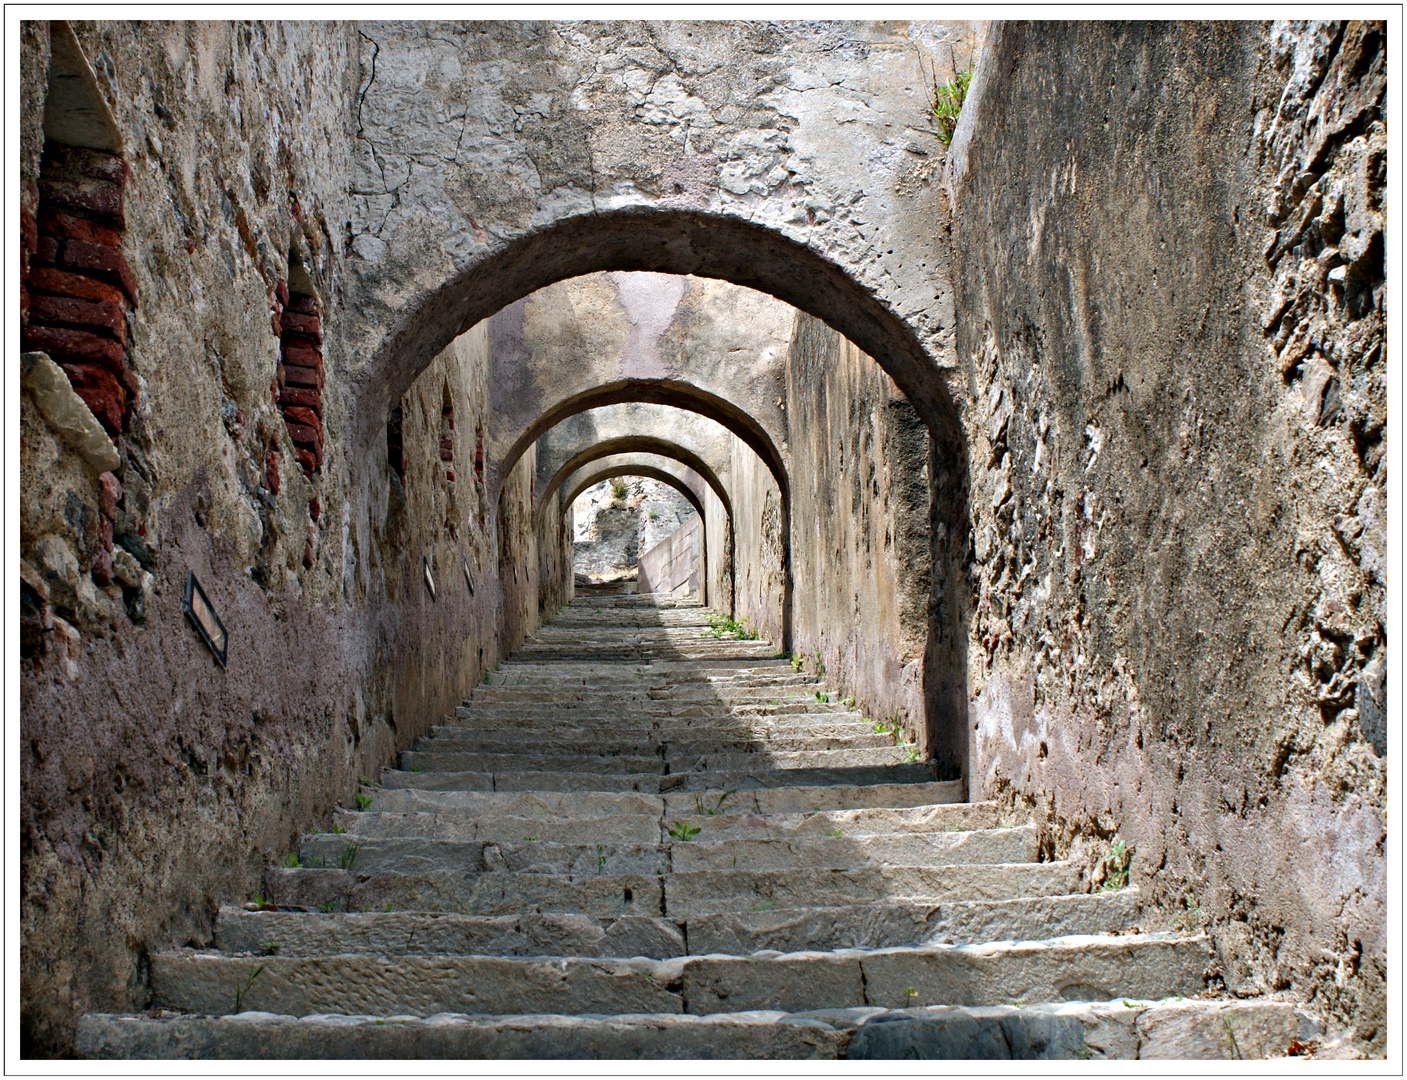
{"points": [[763, 802], [684, 763], [513, 780], [282, 933], [1122, 1029], [705, 718], [864, 926], [661, 854], [518, 821], [675, 895], [459, 740], [1073, 968], [887, 923], [591, 676], [588, 696]]}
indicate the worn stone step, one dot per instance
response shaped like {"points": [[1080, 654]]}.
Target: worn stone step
{"points": [[466, 893], [1073, 968], [762, 802], [450, 761], [704, 719], [460, 740], [708, 891], [489, 823], [418, 985], [1123, 1029], [414, 934], [259, 1035], [652, 783], [676, 895], [547, 855], [650, 694], [883, 924], [1086, 968]]}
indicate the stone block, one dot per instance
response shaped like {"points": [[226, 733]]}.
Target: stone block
{"points": [[67, 411], [73, 162], [109, 495], [125, 569], [969, 1035]]}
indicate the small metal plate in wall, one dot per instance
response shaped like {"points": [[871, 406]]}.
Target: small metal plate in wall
{"points": [[202, 616], [468, 577], [429, 578]]}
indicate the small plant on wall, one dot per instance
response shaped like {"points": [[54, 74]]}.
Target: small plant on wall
{"points": [[946, 105]]}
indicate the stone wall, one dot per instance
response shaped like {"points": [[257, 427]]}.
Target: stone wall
{"points": [[1170, 327], [158, 784], [861, 551]]}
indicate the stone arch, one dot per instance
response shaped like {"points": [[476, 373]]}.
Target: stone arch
{"points": [[894, 327], [636, 445], [633, 465]]}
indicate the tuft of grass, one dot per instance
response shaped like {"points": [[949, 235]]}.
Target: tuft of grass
{"points": [[269, 948], [717, 808], [1116, 867], [348, 856], [762, 906], [797, 660], [946, 104], [363, 801], [836, 834], [337, 829], [415, 768], [328, 906], [242, 989], [530, 839], [292, 861], [682, 830], [600, 860]]}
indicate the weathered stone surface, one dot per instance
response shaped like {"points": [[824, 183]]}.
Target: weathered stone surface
{"points": [[66, 413]]}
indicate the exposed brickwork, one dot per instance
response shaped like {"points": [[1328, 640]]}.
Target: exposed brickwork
{"points": [[77, 285], [298, 321]]}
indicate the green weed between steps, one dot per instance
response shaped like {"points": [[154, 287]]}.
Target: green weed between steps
{"points": [[328, 906], [363, 801], [348, 856], [682, 830], [242, 988], [292, 861], [269, 948], [719, 624], [1116, 867], [717, 808]]}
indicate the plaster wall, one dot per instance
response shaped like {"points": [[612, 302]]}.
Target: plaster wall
{"points": [[861, 533]]}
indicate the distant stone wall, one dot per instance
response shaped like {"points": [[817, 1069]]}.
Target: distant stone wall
{"points": [[1169, 282], [674, 565]]}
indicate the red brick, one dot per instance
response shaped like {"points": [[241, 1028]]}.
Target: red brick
{"points": [[274, 322], [301, 395], [303, 435], [64, 311], [281, 292], [314, 508], [304, 324], [302, 356], [303, 304], [301, 376], [446, 454], [85, 195], [302, 342], [307, 459], [76, 161], [101, 392], [300, 415], [105, 533], [46, 251], [271, 471], [76, 345], [67, 227], [307, 554], [45, 279], [81, 255], [449, 475], [109, 495], [29, 231], [102, 567]]}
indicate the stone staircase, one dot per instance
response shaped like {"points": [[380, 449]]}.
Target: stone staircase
{"points": [[641, 840]]}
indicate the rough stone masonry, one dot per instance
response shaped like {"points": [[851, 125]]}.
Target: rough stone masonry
{"points": [[1063, 447]]}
